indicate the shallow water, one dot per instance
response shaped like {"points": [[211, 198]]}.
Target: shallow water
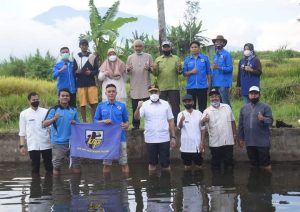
{"points": [[203, 190]]}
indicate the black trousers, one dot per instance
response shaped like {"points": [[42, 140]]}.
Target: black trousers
{"points": [[72, 102], [173, 97], [200, 97], [134, 104], [35, 156], [221, 154], [159, 152]]}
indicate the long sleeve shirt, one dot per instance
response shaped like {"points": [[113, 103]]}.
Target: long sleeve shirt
{"points": [[253, 131], [222, 77]]}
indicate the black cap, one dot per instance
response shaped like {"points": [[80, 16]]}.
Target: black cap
{"points": [[213, 91], [83, 41], [187, 97]]}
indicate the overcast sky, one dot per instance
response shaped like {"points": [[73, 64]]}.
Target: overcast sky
{"points": [[268, 24]]}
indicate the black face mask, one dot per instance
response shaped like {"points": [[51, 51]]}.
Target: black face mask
{"points": [[219, 47], [254, 101], [188, 106], [167, 53], [35, 104]]}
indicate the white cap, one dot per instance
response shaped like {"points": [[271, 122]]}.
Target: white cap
{"points": [[254, 88], [166, 43]]}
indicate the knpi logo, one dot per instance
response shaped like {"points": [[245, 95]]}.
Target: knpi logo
{"points": [[93, 138]]}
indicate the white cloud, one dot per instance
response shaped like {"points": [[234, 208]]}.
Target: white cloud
{"points": [[274, 36]]}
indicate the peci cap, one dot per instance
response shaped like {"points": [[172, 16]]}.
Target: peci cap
{"points": [[166, 43], [213, 91], [83, 41], [153, 88], [254, 88], [187, 97]]}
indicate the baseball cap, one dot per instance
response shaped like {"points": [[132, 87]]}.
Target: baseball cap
{"points": [[166, 43], [153, 88], [187, 97], [254, 88], [213, 91]]}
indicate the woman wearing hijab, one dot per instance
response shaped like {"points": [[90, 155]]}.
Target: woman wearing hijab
{"points": [[249, 71], [112, 71]]}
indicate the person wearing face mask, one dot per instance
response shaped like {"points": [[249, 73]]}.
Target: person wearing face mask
{"points": [[159, 123], [63, 72], [222, 69], [222, 131], [192, 134], [139, 66], [36, 137], [113, 71], [249, 72], [167, 67], [254, 129]]}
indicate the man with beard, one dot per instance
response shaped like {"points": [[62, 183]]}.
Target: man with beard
{"points": [[167, 68], [222, 69], [254, 129]]}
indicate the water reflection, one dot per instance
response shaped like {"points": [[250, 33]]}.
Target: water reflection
{"points": [[241, 189], [259, 192]]}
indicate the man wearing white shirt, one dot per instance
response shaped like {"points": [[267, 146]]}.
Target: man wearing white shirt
{"points": [[192, 134], [37, 137], [221, 129], [159, 122]]}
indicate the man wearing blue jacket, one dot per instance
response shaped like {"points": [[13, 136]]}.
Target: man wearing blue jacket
{"points": [[222, 69], [63, 72]]}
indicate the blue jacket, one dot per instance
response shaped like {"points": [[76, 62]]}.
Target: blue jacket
{"points": [[244, 79], [222, 77], [116, 111], [65, 79], [202, 64], [61, 129]]}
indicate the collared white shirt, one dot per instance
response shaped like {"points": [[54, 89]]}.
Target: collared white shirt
{"points": [[191, 130], [219, 125], [30, 126], [156, 121]]}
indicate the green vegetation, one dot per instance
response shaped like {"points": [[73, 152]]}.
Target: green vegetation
{"points": [[280, 89]]}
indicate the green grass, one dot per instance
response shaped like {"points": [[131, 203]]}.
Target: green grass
{"points": [[280, 89]]}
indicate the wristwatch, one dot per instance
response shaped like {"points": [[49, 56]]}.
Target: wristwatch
{"points": [[173, 137]]}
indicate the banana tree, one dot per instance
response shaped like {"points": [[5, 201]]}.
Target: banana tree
{"points": [[104, 30]]}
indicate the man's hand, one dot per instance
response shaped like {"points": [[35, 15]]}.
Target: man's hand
{"points": [[194, 71], [140, 104], [205, 119], [56, 117], [88, 72], [64, 67], [241, 144], [78, 71], [73, 121], [260, 116], [125, 125], [129, 68], [215, 66], [105, 121], [173, 143], [23, 151]]}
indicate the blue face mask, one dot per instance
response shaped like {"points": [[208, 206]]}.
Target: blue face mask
{"points": [[215, 104], [65, 56]]}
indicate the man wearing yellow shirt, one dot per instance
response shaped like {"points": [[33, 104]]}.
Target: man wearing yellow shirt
{"points": [[167, 68]]}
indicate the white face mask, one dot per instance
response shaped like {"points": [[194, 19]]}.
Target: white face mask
{"points": [[247, 53], [112, 58], [215, 104], [154, 97]]}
